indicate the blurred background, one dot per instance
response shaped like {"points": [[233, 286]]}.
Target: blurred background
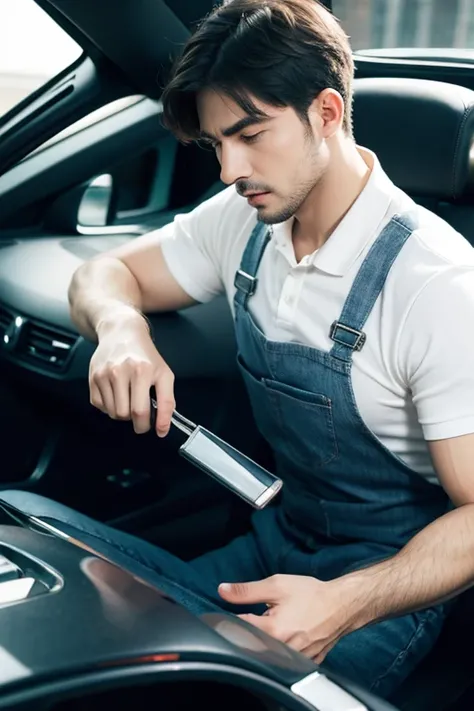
{"points": [[377, 24]]}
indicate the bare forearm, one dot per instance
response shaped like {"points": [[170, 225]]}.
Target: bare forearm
{"points": [[102, 294], [435, 565]]}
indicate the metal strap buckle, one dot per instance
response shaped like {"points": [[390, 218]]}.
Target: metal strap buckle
{"points": [[245, 282], [354, 343]]}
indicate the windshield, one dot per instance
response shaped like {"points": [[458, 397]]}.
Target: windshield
{"points": [[33, 49], [379, 24]]}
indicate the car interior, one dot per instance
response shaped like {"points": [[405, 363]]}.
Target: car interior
{"points": [[72, 188]]}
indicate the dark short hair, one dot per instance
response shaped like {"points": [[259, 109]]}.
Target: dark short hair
{"points": [[281, 52]]}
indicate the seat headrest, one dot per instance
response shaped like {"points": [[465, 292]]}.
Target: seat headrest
{"points": [[422, 132]]}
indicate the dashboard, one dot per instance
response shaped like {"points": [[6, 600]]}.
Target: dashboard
{"points": [[37, 334], [35, 327]]}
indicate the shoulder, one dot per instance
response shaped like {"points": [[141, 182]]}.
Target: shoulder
{"points": [[428, 291], [225, 213], [429, 300], [203, 247], [439, 243], [431, 261]]}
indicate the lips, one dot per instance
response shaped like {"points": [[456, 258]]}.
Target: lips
{"points": [[257, 199]]}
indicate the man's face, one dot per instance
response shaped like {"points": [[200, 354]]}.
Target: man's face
{"points": [[274, 162]]}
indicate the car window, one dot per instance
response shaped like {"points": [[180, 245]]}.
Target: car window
{"points": [[379, 24], [33, 49]]}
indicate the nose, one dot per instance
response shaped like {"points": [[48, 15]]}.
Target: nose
{"points": [[234, 164]]}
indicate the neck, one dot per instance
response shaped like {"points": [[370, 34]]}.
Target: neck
{"points": [[333, 195]]}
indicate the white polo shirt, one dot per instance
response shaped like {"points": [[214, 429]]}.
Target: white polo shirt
{"points": [[414, 378]]}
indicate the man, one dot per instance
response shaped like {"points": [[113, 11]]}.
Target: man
{"points": [[350, 306]]}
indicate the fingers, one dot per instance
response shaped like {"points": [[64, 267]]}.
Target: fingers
{"points": [[110, 391], [269, 624], [140, 400], [314, 649], [164, 387], [101, 394], [276, 623], [260, 621], [300, 641], [119, 379], [122, 391], [270, 590], [107, 397], [96, 399]]}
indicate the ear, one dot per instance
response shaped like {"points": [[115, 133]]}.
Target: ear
{"points": [[327, 110]]}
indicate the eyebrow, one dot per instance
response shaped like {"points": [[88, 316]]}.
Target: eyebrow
{"points": [[237, 127]]}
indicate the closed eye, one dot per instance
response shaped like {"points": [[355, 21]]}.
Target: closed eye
{"points": [[250, 138]]}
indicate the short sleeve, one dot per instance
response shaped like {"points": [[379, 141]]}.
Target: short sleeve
{"points": [[193, 251], [437, 354]]}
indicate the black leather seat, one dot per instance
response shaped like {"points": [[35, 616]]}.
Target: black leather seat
{"points": [[423, 134]]}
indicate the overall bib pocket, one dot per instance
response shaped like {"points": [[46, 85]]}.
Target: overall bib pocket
{"points": [[297, 424], [259, 403], [305, 421]]}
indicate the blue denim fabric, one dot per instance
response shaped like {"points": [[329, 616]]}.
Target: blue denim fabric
{"points": [[347, 501]]}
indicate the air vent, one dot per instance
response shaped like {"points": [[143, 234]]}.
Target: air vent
{"points": [[6, 318], [46, 346]]}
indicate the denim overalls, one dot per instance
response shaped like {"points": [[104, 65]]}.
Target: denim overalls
{"points": [[345, 496], [347, 501]]}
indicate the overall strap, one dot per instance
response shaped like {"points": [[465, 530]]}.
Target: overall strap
{"points": [[245, 278], [347, 332]]}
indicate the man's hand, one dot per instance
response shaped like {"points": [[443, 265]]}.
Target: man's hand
{"points": [[122, 370], [435, 565], [306, 613]]}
